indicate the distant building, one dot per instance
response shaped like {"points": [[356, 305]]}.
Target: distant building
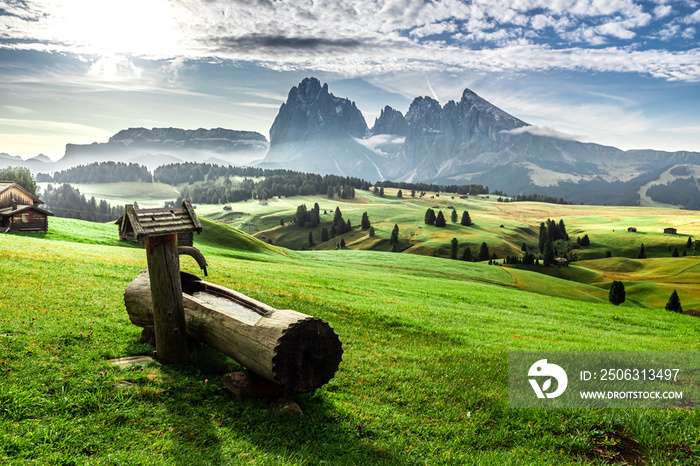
{"points": [[561, 261], [670, 231], [632, 229], [263, 202], [20, 211]]}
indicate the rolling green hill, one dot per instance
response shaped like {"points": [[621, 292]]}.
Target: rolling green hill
{"points": [[424, 372]]}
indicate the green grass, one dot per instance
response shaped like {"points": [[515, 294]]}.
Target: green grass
{"points": [[424, 369]]}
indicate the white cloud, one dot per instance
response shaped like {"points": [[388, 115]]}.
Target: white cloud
{"points": [[353, 37], [694, 18], [662, 11], [545, 131]]}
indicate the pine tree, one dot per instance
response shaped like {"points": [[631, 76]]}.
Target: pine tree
{"points": [[440, 220], [365, 221], [689, 244], [548, 253], [562, 230], [342, 242], [394, 239], [453, 248], [483, 252], [430, 217], [617, 293], [466, 220], [337, 216], [467, 255], [311, 238], [281, 222], [371, 231], [642, 254], [523, 248], [608, 254], [585, 241], [674, 303], [399, 194], [543, 237], [675, 252], [324, 234], [381, 191], [454, 216]]}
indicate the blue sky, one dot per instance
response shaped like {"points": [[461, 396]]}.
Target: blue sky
{"points": [[617, 72]]}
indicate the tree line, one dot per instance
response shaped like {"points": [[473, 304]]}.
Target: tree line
{"points": [[68, 202], [100, 172]]}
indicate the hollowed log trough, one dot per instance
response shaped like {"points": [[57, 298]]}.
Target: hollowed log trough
{"points": [[295, 350]]}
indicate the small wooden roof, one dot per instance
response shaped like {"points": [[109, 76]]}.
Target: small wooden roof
{"points": [[159, 222], [5, 185], [23, 208]]}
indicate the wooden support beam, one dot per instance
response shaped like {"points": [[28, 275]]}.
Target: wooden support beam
{"points": [[166, 294]]}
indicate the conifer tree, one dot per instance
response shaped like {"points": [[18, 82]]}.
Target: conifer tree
{"points": [[399, 194], [371, 231], [440, 220], [675, 252], [585, 241], [523, 248], [466, 220], [330, 193], [342, 242], [430, 217], [394, 239], [674, 303], [324, 234], [454, 216], [642, 254], [689, 244], [483, 252], [467, 255], [365, 221], [381, 191], [311, 238], [454, 244], [548, 253], [617, 293], [543, 237]]}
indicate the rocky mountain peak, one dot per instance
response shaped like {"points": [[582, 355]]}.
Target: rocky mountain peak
{"points": [[311, 111], [390, 121]]}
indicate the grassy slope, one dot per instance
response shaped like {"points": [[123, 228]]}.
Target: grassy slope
{"points": [[424, 371]]}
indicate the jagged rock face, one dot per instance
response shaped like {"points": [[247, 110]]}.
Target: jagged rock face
{"points": [[317, 132], [390, 121], [311, 112]]}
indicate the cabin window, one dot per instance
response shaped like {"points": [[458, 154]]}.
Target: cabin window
{"points": [[25, 218]]}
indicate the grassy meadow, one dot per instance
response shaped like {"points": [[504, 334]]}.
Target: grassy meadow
{"points": [[424, 372]]}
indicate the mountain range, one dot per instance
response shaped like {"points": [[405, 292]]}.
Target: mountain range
{"points": [[469, 141], [465, 141]]}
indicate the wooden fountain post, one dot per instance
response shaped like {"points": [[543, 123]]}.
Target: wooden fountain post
{"points": [[160, 228]]}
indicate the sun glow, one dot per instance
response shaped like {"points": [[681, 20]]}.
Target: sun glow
{"points": [[128, 27]]}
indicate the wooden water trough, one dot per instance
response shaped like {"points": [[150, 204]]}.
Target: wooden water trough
{"points": [[297, 351]]}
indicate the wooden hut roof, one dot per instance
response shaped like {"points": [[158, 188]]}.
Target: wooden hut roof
{"points": [[22, 208], [157, 222], [5, 185]]}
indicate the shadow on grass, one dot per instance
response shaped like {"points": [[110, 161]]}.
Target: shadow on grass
{"points": [[209, 426]]}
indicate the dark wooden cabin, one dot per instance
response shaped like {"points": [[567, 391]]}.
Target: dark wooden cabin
{"points": [[20, 211], [670, 231]]}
